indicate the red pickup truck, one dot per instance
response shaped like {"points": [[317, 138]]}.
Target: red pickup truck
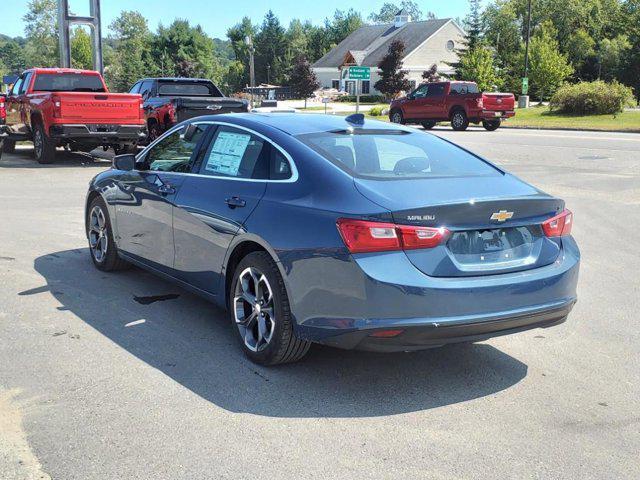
{"points": [[458, 102], [72, 108]]}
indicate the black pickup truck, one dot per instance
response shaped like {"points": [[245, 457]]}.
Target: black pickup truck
{"points": [[168, 101]]}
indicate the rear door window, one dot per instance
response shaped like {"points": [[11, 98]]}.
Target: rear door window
{"points": [[236, 153]]}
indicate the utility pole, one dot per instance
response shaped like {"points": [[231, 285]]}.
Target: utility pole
{"points": [[252, 77], [523, 100], [66, 20]]}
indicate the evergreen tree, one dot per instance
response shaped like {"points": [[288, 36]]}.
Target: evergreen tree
{"points": [[270, 44], [81, 49], [303, 80], [393, 79], [473, 25]]}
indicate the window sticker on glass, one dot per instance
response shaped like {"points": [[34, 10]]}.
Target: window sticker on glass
{"points": [[227, 152]]}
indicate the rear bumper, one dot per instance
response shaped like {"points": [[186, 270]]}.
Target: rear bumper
{"points": [[376, 292], [494, 115], [419, 334], [99, 134]]}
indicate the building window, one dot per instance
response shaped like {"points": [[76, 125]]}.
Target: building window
{"points": [[451, 45], [366, 87], [335, 84]]}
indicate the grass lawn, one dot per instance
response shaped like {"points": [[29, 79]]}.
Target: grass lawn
{"points": [[540, 117]]}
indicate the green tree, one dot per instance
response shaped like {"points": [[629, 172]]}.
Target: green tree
{"points": [[393, 79], [41, 49], [234, 79], [303, 80], [13, 57], [188, 50], [473, 25], [130, 57], [342, 25], [270, 44], [477, 65], [611, 55], [81, 49], [237, 35], [548, 67]]}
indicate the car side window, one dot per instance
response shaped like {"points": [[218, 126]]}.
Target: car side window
{"points": [[145, 89], [280, 168], [175, 152], [135, 88], [421, 91], [236, 153], [16, 86], [436, 89], [25, 83], [455, 89]]}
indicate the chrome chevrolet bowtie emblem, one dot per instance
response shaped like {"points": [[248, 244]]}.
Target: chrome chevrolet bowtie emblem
{"points": [[214, 107], [502, 216]]}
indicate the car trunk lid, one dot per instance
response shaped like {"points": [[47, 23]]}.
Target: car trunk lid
{"points": [[494, 222]]}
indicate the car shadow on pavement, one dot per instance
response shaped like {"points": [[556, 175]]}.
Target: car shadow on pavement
{"points": [[193, 342], [23, 158]]}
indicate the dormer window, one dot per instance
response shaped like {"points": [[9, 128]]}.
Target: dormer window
{"points": [[401, 18]]}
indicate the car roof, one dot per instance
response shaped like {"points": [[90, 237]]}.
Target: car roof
{"points": [[300, 123], [175, 79], [62, 70]]}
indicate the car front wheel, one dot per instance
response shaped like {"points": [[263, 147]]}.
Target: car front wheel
{"points": [[260, 312], [396, 117]]}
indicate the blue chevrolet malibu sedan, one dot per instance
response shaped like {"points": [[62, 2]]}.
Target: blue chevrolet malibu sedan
{"points": [[351, 233]]}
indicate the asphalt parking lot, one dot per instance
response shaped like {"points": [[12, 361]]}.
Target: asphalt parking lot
{"points": [[98, 380]]}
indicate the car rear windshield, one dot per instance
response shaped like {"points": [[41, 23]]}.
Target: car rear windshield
{"points": [[396, 154], [188, 89], [67, 82]]}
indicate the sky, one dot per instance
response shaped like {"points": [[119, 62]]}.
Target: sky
{"points": [[216, 17]]}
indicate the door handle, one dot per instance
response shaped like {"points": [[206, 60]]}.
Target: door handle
{"points": [[166, 189], [234, 202]]}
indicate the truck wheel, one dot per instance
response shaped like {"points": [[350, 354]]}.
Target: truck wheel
{"points": [[491, 125], [9, 146], [428, 125], [397, 117], [43, 148], [459, 121]]}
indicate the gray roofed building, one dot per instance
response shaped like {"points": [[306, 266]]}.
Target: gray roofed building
{"points": [[426, 42]]}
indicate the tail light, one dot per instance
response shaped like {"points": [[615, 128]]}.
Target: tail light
{"points": [[558, 226], [57, 107], [3, 109], [480, 102], [362, 236]]}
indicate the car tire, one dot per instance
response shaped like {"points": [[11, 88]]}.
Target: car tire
{"points": [[102, 247], [491, 125], [459, 120], [260, 312], [9, 146], [397, 117], [428, 125], [43, 148]]}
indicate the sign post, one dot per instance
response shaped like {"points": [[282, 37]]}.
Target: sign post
{"points": [[358, 74]]}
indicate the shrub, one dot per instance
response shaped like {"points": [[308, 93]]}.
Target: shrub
{"points": [[377, 111], [363, 98], [592, 98]]}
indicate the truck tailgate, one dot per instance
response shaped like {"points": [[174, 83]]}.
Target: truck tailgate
{"points": [[498, 101], [110, 108]]}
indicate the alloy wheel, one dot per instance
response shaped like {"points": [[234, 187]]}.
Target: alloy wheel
{"points": [[98, 235], [253, 307], [396, 118]]}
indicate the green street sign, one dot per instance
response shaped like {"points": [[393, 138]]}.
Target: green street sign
{"points": [[525, 85], [359, 73]]}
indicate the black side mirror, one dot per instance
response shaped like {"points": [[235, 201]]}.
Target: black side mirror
{"points": [[126, 162]]}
